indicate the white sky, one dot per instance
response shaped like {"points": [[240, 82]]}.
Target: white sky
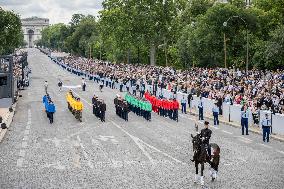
{"points": [[58, 11]]}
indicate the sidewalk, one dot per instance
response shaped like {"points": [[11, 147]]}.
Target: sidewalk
{"points": [[7, 117], [253, 129]]}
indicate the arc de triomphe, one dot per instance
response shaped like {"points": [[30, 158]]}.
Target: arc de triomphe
{"points": [[32, 28]]}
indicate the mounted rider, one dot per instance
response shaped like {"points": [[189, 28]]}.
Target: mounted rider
{"points": [[205, 135]]}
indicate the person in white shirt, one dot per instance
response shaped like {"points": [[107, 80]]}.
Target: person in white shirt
{"points": [[266, 126], [183, 104], [200, 108], [215, 111]]}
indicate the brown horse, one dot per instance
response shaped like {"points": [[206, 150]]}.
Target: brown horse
{"points": [[201, 157]]}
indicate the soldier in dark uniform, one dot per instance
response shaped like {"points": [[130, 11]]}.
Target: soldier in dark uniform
{"points": [[205, 135], [119, 108], [94, 102], [116, 104], [102, 111], [98, 111], [125, 110]]}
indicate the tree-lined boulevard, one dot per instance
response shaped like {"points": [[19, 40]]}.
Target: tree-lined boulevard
{"points": [[119, 154]]}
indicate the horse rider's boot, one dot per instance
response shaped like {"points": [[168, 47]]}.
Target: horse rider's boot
{"points": [[202, 181], [196, 178]]}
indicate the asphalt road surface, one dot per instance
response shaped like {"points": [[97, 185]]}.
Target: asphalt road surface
{"points": [[119, 154]]}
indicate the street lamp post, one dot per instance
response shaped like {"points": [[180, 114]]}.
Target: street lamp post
{"points": [[225, 24]]}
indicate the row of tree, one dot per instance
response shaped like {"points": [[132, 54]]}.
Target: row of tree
{"points": [[11, 35], [179, 33]]}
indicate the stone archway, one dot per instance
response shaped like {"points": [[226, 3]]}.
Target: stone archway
{"points": [[30, 38]]}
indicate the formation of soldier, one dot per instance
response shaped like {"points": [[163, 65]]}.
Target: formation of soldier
{"points": [[121, 107], [166, 108], [99, 108], [139, 106], [49, 107], [74, 105]]}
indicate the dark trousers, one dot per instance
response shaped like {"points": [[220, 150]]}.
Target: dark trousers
{"points": [[84, 87], [175, 115], [134, 92], [244, 123], [216, 119], [183, 108], [200, 115], [266, 133], [50, 117], [94, 110], [102, 116]]}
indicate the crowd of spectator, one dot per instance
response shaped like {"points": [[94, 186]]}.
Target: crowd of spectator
{"points": [[259, 89]]}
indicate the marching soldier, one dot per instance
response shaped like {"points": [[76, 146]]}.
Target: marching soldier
{"points": [[50, 111], [94, 102], [102, 111], [175, 107]]}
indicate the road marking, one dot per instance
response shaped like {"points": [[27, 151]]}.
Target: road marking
{"points": [[84, 153], [20, 162], [227, 132], [137, 140], [245, 141], [165, 154], [99, 145], [24, 144], [82, 98], [106, 138], [266, 146], [244, 138], [281, 152]]}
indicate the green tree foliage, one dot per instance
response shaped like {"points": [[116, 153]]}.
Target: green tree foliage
{"points": [[179, 33], [274, 52], [11, 35]]}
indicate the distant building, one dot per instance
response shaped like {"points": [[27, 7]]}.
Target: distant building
{"points": [[32, 28]]}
